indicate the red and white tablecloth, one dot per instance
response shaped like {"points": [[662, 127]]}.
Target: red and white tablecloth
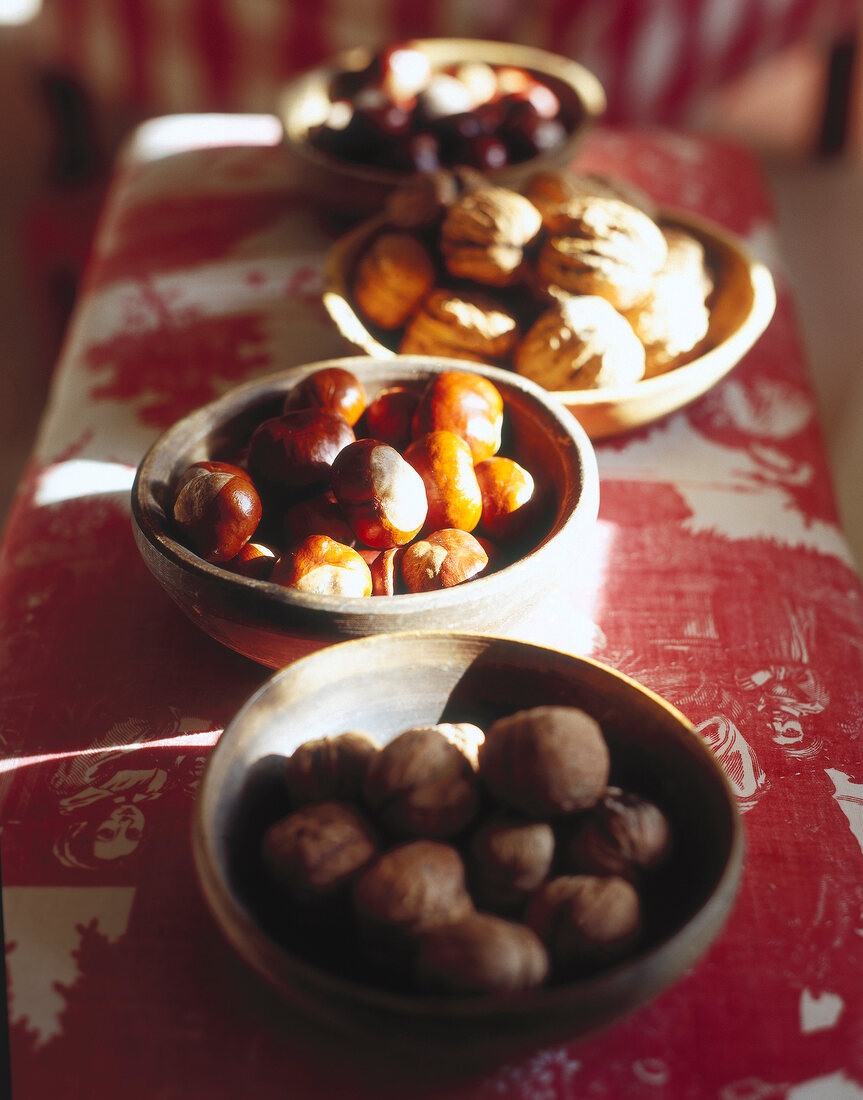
{"points": [[719, 577]]}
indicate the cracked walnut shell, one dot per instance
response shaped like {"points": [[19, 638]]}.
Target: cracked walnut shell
{"points": [[466, 324], [393, 276], [581, 343], [605, 247]]}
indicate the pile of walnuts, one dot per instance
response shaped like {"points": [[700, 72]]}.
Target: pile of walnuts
{"points": [[459, 862], [574, 283]]}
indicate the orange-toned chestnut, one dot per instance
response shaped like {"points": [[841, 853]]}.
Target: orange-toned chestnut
{"points": [[382, 496], [318, 515], [442, 560], [295, 451], [464, 403], [389, 416], [445, 463], [332, 388], [255, 560], [386, 572], [217, 513], [508, 498], [324, 566]]}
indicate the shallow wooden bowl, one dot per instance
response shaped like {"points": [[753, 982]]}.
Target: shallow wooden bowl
{"points": [[389, 683], [272, 624], [354, 190], [742, 306]]}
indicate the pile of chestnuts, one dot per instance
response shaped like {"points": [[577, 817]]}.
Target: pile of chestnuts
{"points": [[457, 861], [403, 114], [349, 494]]}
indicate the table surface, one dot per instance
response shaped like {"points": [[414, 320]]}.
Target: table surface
{"points": [[719, 578]]}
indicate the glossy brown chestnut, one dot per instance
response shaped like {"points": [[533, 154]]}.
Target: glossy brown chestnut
{"points": [[295, 451], [508, 493], [317, 515], [386, 572], [464, 403], [389, 416], [217, 513], [445, 463], [208, 467], [322, 565], [444, 559], [382, 496], [332, 388], [255, 560]]}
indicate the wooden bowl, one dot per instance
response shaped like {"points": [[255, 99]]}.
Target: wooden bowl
{"points": [[389, 683], [355, 190], [272, 624], [742, 306]]}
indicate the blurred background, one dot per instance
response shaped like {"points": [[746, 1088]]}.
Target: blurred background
{"points": [[780, 76]]}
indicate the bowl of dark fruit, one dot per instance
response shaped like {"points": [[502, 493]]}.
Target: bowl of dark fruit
{"points": [[359, 126]]}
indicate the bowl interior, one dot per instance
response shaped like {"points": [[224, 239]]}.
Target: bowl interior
{"points": [[741, 307], [386, 684]]}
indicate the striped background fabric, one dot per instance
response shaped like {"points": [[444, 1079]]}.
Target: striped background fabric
{"points": [[654, 57]]}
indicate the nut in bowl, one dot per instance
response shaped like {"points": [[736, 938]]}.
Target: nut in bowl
{"points": [[277, 526], [623, 311], [358, 127], [621, 823]]}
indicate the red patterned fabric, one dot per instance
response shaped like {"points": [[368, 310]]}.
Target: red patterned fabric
{"points": [[655, 57], [719, 578]]}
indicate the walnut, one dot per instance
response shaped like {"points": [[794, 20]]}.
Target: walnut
{"points": [[460, 325], [481, 954], [329, 768], [392, 277], [405, 892], [421, 784], [585, 921], [424, 198], [550, 192], [546, 760], [674, 318], [510, 858], [314, 853], [578, 344], [605, 247], [484, 234], [622, 835]]}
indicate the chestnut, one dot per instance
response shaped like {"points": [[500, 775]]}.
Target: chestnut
{"points": [[332, 388], [386, 571], [382, 496], [509, 500], [444, 559], [322, 565], [217, 513], [317, 515], [390, 414], [295, 451], [208, 467], [464, 403], [445, 463], [255, 560]]}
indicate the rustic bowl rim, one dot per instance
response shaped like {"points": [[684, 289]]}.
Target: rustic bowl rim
{"points": [[240, 928], [157, 534], [582, 82]]}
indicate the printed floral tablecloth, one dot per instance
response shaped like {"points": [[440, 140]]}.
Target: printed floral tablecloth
{"points": [[718, 577]]}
